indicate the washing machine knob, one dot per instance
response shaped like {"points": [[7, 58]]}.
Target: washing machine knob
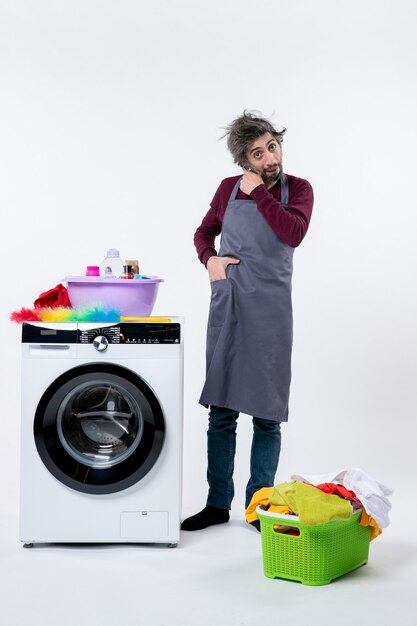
{"points": [[100, 343]]}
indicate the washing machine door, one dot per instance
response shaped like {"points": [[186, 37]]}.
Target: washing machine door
{"points": [[99, 428]]}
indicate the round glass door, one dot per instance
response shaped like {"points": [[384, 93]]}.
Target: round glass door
{"points": [[99, 428], [100, 423]]}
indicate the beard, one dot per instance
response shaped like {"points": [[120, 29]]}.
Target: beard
{"points": [[268, 179], [271, 179]]}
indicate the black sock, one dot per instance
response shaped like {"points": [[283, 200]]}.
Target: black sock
{"points": [[257, 524], [209, 516]]}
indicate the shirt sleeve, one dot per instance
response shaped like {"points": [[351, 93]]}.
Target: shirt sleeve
{"points": [[206, 233], [289, 224]]}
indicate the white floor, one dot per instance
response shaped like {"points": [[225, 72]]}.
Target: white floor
{"points": [[214, 576]]}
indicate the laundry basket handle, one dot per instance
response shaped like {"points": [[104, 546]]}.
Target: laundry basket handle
{"points": [[282, 519]]}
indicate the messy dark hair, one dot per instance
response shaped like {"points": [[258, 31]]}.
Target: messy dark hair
{"points": [[243, 131]]}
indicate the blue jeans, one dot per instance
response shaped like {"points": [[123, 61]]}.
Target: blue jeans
{"points": [[221, 447]]}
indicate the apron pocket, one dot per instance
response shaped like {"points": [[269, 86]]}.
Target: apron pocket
{"points": [[220, 292]]}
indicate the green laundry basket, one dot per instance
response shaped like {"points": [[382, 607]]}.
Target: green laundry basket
{"points": [[318, 554]]}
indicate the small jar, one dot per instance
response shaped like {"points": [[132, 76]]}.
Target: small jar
{"points": [[127, 272], [134, 263], [92, 270]]}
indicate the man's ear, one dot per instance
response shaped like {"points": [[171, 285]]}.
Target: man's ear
{"points": [[244, 164]]}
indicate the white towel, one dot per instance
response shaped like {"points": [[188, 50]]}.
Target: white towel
{"points": [[369, 491]]}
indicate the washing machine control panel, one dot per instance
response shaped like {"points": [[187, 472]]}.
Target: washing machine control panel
{"points": [[99, 336], [130, 333]]}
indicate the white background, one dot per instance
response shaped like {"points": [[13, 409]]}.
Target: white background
{"points": [[110, 119]]}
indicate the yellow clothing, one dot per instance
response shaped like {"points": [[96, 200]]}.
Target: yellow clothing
{"points": [[367, 520], [261, 498], [312, 505]]}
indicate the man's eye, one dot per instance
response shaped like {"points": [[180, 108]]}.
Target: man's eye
{"points": [[272, 147], [257, 155]]}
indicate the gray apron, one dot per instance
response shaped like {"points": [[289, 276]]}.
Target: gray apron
{"points": [[249, 334]]}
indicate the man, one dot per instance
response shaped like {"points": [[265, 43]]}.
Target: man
{"points": [[262, 216]]}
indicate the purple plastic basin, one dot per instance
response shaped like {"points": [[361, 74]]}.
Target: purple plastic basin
{"points": [[133, 298]]}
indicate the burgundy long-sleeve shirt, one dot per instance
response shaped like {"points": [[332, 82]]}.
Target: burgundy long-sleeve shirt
{"points": [[290, 224]]}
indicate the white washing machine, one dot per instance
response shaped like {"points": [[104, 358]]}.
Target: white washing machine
{"points": [[101, 433]]}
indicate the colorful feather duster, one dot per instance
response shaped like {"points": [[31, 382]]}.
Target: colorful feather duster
{"points": [[94, 313], [25, 315]]}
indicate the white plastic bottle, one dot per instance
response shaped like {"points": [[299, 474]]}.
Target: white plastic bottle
{"points": [[112, 265]]}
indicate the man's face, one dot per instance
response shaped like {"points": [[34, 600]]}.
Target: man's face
{"points": [[264, 156]]}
